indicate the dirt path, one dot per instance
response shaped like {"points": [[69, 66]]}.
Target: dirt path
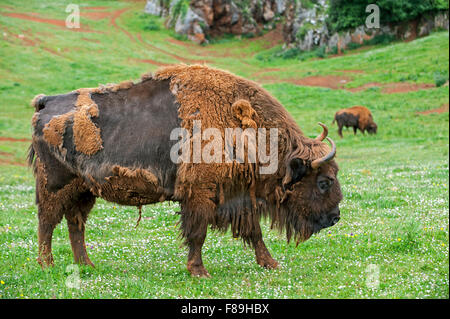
{"points": [[115, 16], [442, 109], [35, 18], [176, 57]]}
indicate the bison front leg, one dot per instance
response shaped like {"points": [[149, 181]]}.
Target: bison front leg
{"points": [[195, 262], [194, 226], [340, 126], [263, 257], [76, 220]]}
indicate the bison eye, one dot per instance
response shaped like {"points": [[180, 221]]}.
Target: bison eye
{"points": [[324, 183]]}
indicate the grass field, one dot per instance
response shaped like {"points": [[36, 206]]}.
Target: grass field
{"points": [[393, 237]]}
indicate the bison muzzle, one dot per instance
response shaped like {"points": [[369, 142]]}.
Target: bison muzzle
{"points": [[114, 142]]}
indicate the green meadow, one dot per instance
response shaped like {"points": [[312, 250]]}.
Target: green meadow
{"points": [[393, 237]]}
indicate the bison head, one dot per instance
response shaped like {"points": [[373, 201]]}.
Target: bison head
{"points": [[311, 191], [372, 128]]}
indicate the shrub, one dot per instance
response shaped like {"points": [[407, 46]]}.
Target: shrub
{"points": [[152, 26], [343, 15], [440, 78]]}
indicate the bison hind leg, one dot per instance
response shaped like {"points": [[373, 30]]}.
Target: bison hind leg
{"points": [[60, 193], [76, 219], [47, 224]]}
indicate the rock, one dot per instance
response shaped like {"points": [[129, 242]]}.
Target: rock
{"points": [[190, 25], [154, 7], [441, 20], [268, 13], [204, 18], [280, 6]]}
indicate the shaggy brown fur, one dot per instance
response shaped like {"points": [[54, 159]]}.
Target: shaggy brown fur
{"points": [[220, 99], [87, 135], [35, 119], [134, 187], [54, 130]]}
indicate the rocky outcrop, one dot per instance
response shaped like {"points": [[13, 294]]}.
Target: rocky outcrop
{"points": [[305, 24], [306, 28], [199, 19]]}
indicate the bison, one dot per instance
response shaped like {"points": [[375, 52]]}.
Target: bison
{"points": [[358, 117], [116, 142]]}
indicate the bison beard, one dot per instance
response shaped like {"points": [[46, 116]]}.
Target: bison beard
{"points": [[114, 142]]}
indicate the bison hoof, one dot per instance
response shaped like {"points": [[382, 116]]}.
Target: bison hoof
{"points": [[268, 263], [199, 271], [45, 262], [86, 262]]}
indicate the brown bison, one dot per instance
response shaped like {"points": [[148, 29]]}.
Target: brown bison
{"points": [[116, 142], [358, 117]]}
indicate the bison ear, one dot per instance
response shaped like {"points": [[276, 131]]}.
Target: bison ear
{"points": [[295, 171]]}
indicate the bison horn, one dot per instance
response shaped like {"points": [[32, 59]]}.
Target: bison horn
{"points": [[324, 133], [318, 162]]}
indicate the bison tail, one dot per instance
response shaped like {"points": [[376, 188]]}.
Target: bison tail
{"points": [[31, 156]]}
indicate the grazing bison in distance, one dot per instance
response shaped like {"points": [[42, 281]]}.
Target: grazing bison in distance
{"points": [[358, 117], [117, 142]]}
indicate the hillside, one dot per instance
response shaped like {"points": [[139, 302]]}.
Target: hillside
{"points": [[395, 183]]}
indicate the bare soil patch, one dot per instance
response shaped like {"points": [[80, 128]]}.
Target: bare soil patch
{"points": [[327, 81], [442, 109], [12, 139], [96, 15], [97, 8], [405, 87], [390, 88]]}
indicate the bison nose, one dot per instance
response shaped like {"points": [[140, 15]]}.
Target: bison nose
{"points": [[335, 216], [335, 220]]}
